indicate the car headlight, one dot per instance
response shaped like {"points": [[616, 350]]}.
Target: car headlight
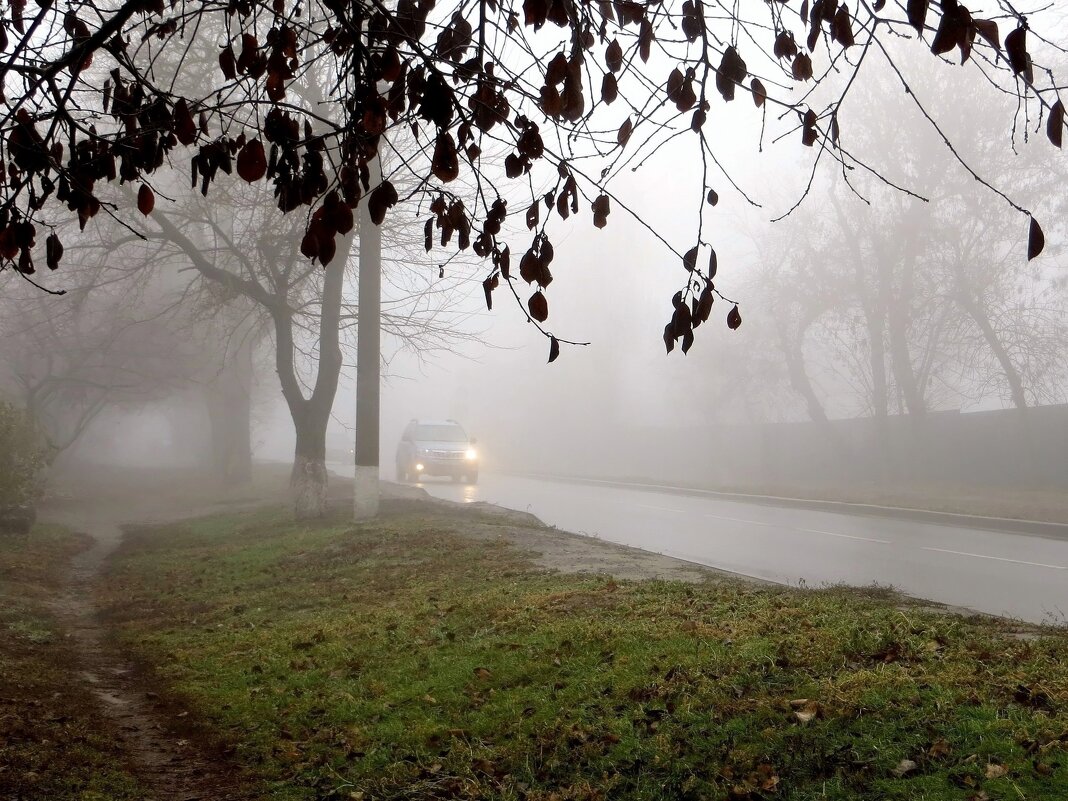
{"points": [[471, 454]]}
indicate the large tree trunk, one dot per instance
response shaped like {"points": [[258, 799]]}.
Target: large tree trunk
{"points": [[308, 481], [311, 415]]}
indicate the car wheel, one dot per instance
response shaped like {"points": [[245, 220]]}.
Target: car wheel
{"points": [[472, 478], [402, 473]]}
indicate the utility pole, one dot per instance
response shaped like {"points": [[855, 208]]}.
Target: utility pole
{"points": [[368, 357]]}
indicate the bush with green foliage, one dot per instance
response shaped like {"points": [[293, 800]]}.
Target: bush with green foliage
{"points": [[23, 457]]}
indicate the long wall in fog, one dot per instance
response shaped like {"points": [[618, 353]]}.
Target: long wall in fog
{"points": [[1014, 448]]}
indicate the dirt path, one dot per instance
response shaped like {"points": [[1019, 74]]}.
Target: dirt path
{"points": [[171, 765], [172, 761]]}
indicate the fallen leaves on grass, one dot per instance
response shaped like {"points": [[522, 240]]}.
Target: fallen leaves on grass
{"points": [[995, 771], [905, 767], [939, 749], [805, 710]]}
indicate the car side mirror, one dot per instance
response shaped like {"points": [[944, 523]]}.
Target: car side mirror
{"points": [[474, 440]]}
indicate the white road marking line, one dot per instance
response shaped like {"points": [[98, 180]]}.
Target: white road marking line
{"points": [[998, 558], [795, 528], [769, 525], [846, 536]]}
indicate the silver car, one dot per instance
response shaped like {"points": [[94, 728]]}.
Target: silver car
{"points": [[437, 448]]}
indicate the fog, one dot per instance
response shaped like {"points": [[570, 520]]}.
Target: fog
{"points": [[543, 400], [888, 316]]}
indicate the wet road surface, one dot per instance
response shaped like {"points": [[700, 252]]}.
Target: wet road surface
{"points": [[1003, 573]]}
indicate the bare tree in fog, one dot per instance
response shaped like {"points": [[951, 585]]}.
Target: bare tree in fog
{"points": [[66, 359], [917, 305], [230, 332], [251, 253], [99, 93]]}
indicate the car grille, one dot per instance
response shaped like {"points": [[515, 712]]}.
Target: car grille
{"points": [[434, 454]]}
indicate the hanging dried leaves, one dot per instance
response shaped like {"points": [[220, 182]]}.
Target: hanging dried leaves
{"points": [[1036, 240], [613, 57], [842, 28], [488, 286], [1055, 124], [802, 68], [252, 161], [785, 46], [419, 67], [538, 307], [689, 261], [760, 94], [1016, 50], [988, 29], [734, 319], [809, 132], [446, 161], [609, 88], [601, 208], [917, 13], [534, 266], [53, 251], [146, 200], [383, 197], [732, 71]]}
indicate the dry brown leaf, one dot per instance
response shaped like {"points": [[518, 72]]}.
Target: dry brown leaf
{"points": [[905, 767], [995, 771], [939, 749], [806, 711]]}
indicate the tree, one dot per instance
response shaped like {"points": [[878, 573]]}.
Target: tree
{"points": [[248, 258], [230, 332], [893, 303], [86, 106], [23, 456], [66, 359]]}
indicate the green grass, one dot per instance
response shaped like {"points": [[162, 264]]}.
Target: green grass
{"points": [[403, 659], [53, 744]]}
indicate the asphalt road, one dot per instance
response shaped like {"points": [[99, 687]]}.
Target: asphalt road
{"points": [[998, 572]]}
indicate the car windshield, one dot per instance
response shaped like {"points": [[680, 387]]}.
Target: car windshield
{"points": [[440, 434]]}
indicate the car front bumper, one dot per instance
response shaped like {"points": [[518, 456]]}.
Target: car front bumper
{"points": [[445, 467]]}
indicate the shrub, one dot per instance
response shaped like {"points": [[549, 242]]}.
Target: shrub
{"points": [[23, 457]]}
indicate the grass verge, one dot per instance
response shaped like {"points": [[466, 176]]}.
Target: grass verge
{"points": [[407, 659], [52, 742]]}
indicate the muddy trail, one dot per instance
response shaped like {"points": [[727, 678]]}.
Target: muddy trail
{"points": [[170, 761], [171, 757]]}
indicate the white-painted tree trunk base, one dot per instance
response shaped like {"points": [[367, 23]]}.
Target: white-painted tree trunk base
{"points": [[308, 484], [365, 495]]}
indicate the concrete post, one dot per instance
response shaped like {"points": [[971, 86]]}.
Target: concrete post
{"points": [[368, 358]]}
